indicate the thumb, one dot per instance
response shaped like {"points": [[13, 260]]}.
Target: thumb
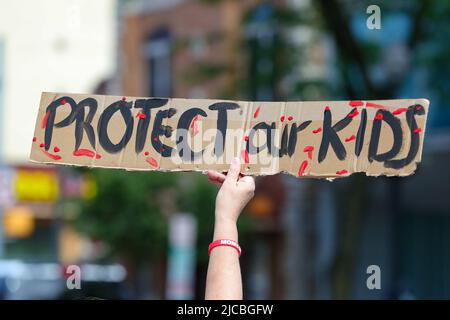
{"points": [[235, 169]]}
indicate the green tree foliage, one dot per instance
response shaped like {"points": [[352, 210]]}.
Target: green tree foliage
{"points": [[126, 212]]}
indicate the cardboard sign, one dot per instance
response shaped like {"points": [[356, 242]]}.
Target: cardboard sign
{"points": [[324, 139]]}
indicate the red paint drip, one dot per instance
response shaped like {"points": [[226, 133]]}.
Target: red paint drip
{"points": [[86, 153], [351, 138], [244, 155], [317, 130], [340, 172], [42, 145], [302, 168], [140, 115], [246, 138], [353, 114], [399, 110], [374, 105], [327, 108], [63, 102], [146, 153], [309, 150], [282, 118], [155, 139], [50, 155], [379, 116], [124, 98], [418, 130], [56, 149], [152, 162], [193, 121], [256, 114], [34, 139], [290, 118], [355, 103], [44, 121]]}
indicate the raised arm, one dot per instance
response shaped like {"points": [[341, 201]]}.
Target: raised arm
{"points": [[223, 280]]}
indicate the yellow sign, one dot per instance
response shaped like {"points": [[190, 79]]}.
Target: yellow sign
{"points": [[37, 185]]}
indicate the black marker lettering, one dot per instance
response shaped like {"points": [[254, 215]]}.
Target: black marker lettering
{"points": [[395, 125], [84, 125], [415, 138], [361, 133], [293, 136], [51, 113], [162, 130], [269, 144], [222, 122], [330, 137], [103, 138], [284, 142], [142, 127]]}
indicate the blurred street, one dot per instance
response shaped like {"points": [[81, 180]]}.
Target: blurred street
{"points": [[144, 235]]}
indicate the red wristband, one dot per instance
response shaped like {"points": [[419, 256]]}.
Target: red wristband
{"points": [[225, 242]]}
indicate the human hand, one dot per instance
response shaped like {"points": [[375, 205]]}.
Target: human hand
{"points": [[235, 191]]}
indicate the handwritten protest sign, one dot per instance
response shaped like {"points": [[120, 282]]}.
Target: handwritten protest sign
{"points": [[322, 139]]}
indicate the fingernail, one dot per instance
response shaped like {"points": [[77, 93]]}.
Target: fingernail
{"points": [[236, 161]]}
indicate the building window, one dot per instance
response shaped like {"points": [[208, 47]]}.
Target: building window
{"points": [[157, 55]]}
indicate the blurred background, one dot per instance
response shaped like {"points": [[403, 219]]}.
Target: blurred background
{"points": [[145, 235]]}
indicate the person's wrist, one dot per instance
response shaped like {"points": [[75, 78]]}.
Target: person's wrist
{"points": [[226, 217], [225, 228]]}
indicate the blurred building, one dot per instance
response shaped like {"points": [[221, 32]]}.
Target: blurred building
{"points": [[49, 45], [166, 45]]}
